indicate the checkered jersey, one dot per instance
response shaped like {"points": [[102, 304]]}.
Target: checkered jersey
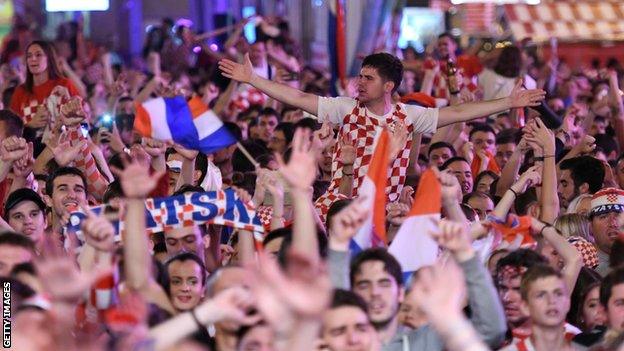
{"points": [[361, 128], [324, 202]]}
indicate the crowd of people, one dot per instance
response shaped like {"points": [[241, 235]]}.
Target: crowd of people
{"points": [[526, 149]]}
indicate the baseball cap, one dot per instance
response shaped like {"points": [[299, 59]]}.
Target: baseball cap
{"points": [[607, 200], [20, 195]]}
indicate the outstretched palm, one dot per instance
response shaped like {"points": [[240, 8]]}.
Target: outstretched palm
{"points": [[239, 72], [136, 180], [521, 98], [300, 171]]}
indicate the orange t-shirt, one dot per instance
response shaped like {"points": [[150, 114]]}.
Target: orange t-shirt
{"points": [[26, 104]]}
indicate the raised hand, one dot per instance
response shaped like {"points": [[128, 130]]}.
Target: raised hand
{"points": [[300, 171], [230, 305], [455, 237], [236, 71], [24, 166], [154, 147], [324, 136], [13, 148], [538, 132], [186, 153], [61, 278], [451, 190], [40, 119], [531, 176], [347, 151], [65, 153], [398, 138], [72, 111], [397, 212], [520, 97], [98, 231], [440, 291], [136, 180], [345, 224], [467, 151]]}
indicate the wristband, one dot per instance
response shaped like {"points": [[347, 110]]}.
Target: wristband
{"points": [[514, 192], [538, 158], [541, 232], [454, 92], [547, 156]]}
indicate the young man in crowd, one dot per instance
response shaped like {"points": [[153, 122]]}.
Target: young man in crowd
{"points": [[346, 325], [14, 249], [379, 79], [460, 168], [578, 176], [376, 276], [546, 300], [66, 190], [506, 143], [26, 214], [439, 153], [606, 208]]}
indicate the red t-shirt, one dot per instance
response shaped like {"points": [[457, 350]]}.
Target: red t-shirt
{"points": [[26, 104]]}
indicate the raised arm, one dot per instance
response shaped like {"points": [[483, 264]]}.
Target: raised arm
{"points": [[244, 73], [300, 173], [468, 111]]}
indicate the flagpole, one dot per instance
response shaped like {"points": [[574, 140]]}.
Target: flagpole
{"points": [[247, 154]]}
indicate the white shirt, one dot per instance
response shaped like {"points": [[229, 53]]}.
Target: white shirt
{"points": [[333, 110]]}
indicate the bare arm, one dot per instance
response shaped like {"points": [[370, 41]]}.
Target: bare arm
{"points": [[468, 111], [244, 73]]}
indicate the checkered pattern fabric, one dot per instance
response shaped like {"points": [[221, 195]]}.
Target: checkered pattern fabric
{"points": [[587, 250], [361, 128], [265, 213], [102, 297], [243, 99], [30, 109], [86, 163], [324, 202], [440, 87]]}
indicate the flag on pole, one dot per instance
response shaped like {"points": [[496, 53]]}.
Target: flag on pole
{"points": [[412, 246], [337, 45], [373, 232], [191, 124]]}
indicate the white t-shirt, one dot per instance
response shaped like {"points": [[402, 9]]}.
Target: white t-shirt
{"points": [[495, 86], [333, 110]]}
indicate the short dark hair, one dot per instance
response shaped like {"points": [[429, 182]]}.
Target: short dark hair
{"points": [[607, 143], [481, 127], [269, 111], [388, 66], [391, 265], [615, 277], [534, 273], [521, 258], [288, 129], [585, 169], [451, 160], [334, 209], [477, 194], [61, 172], [15, 239], [183, 257], [13, 123], [524, 200], [508, 136], [343, 298], [440, 145]]}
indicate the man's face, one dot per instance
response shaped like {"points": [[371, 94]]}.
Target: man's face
{"points": [[461, 170], [257, 53], [266, 127], [503, 153], [347, 328], [186, 285], [483, 206], [547, 302], [605, 229], [370, 85], [598, 127], [380, 291], [446, 47], [28, 219], [186, 239], [10, 256], [68, 192], [259, 338], [615, 308], [566, 189], [484, 141], [438, 156], [326, 157], [509, 293], [484, 184], [278, 142]]}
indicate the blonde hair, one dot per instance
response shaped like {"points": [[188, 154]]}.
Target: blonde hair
{"points": [[574, 224]]}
